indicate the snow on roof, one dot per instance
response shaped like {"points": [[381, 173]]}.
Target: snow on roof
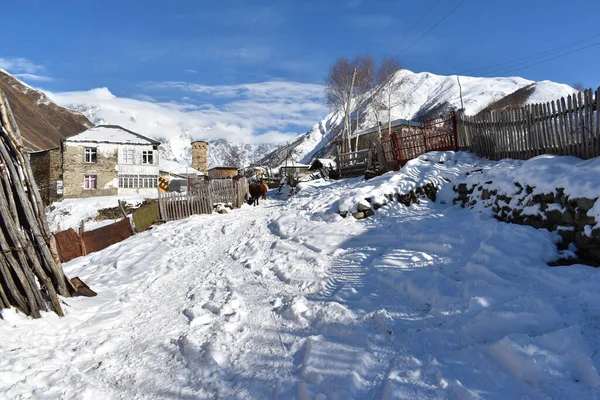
{"points": [[176, 168], [395, 123], [294, 166], [111, 134], [327, 162]]}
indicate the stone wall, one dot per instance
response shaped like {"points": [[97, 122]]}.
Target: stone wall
{"points": [[365, 207], [556, 211], [74, 170], [47, 170], [200, 156]]}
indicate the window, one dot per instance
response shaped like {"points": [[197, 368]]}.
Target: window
{"points": [[147, 157], [128, 156], [138, 181], [89, 182], [89, 155]]}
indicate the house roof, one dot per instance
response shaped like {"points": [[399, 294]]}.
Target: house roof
{"points": [[395, 123], [175, 168], [326, 162], [294, 166], [222, 168], [110, 134]]}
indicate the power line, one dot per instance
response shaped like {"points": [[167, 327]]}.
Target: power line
{"points": [[397, 42], [524, 60], [551, 58], [433, 27]]}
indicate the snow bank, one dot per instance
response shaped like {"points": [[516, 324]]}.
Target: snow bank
{"points": [[68, 213], [435, 167]]}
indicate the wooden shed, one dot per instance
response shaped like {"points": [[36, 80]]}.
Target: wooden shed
{"points": [[222, 172]]}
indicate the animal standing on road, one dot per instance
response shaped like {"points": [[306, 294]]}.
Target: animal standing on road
{"points": [[257, 190]]}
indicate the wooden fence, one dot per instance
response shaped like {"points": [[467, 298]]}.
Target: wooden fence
{"points": [[568, 126], [354, 163], [201, 198]]}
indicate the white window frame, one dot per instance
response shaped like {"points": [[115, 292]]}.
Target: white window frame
{"points": [[131, 181], [88, 180], [90, 155], [128, 156], [148, 155]]}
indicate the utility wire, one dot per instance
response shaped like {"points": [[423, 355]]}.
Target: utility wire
{"points": [[397, 42], [552, 58], [527, 59], [433, 27]]}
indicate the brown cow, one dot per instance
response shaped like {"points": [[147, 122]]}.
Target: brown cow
{"points": [[257, 190]]}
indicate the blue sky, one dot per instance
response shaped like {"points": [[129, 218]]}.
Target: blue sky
{"points": [[157, 50]]}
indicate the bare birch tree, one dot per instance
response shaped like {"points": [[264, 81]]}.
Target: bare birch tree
{"points": [[386, 87], [339, 85], [347, 85]]}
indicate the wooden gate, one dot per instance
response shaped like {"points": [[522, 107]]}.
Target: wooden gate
{"points": [[407, 142]]}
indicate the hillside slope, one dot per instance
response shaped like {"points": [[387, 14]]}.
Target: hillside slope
{"points": [[416, 96], [42, 123]]}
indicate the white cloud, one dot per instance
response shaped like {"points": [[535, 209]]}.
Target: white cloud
{"points": [[20, 64], [267, 112], [34, 78], [24, 69]]}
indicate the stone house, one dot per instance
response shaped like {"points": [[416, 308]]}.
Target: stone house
{"points": [[222, 172], [104, 160]]}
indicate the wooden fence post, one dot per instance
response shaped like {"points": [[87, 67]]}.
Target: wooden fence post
{"points": [[455, 130], [80, 232]]}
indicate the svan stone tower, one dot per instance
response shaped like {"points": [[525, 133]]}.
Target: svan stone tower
{"points": [[200, 156]]}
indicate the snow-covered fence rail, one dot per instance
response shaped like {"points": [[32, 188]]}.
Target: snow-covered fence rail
{"points": [[568, 126], [201, 197]]}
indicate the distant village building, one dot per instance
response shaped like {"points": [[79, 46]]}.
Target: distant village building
{"points": [[175, 177], [222, 172], [322, 163], [200, 156], [294, 169], [104, 160]]}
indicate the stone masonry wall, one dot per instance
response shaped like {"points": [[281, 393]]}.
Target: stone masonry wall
{"points": [[555, 211], [47, 169], [74, 170], [200, 156]]}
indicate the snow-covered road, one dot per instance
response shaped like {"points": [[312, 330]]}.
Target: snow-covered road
{"points": [[288, 300]]}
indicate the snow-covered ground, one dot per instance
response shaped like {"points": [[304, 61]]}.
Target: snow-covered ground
{"points": [[290, 301]]}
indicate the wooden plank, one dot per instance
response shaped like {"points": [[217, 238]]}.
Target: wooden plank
{"points": [[589, 123], [520, 116], [585, 119], [564, 119], [512, 124], [545, 121], [574, 118], [556, 128], [597, 134], [539, 142], [526, 132]]}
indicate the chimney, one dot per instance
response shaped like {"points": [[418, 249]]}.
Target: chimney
{"points": [[200, 156]]}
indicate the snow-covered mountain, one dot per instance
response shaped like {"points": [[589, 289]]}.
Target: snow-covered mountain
{"points": [[415, 96], [41, 122]]}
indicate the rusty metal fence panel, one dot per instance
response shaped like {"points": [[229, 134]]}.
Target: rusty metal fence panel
{"points": [[68, 245], [101, 238]]}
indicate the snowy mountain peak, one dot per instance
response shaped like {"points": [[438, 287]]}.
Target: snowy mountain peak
{"points": [[417, 96]]}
